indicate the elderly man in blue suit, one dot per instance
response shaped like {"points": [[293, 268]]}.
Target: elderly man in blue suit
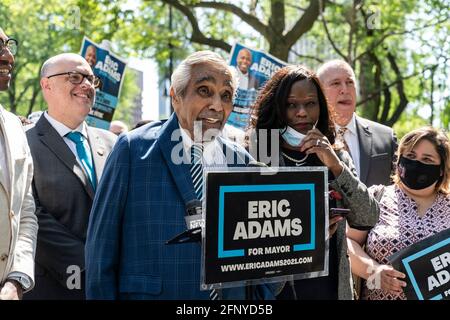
{"points": [[148, 184]]}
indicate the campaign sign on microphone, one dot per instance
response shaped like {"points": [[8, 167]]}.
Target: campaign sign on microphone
{"points": [[264, 226], [427, 267]]}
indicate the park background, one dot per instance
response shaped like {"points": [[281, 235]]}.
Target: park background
{"points": [[400, 49]]}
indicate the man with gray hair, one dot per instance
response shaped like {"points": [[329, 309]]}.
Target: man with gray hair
{"points": [[69, 157], [18, 223], [151, 180], [371, 145]]}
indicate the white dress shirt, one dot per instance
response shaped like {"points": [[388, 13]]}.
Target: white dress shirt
{"points": [[242, 78], [351, 138], [63, 130], [213, 155]]}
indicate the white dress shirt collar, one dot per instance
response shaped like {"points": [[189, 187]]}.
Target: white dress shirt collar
{"points": [[351, 138], [62, 129], [212, 152]]}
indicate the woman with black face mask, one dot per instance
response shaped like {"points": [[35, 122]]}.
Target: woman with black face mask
{"points": [[415, 207]]}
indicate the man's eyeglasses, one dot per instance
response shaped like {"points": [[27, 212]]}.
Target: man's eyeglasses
{"points": [[10, 44], [77, 78]]}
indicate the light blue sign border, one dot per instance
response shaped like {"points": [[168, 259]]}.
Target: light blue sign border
{"points": [[264, 188], [406, 261]]}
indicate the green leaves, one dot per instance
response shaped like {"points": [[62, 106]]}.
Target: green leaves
{"points": [[393, 44]]}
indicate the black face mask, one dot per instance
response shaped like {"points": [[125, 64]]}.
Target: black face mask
{"points": [[417, 175]]}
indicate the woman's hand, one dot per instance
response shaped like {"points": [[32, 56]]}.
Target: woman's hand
{"points": [[316, 142], [387, 278]]}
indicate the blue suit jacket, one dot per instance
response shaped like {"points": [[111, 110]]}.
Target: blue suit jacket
{"points": [[139, 205]]}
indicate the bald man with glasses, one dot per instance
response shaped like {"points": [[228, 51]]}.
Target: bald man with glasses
{"points": [[69, 157]]}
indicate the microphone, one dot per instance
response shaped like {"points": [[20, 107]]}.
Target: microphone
{"points": [[194, 224], [193, 215]]}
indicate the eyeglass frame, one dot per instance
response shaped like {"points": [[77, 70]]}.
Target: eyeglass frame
{"points": [[4, 45], [85, 76]]}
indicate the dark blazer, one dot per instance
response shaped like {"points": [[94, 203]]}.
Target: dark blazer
{"points": [[253, 82], [140, 204], [63, 196], [377, 145]]}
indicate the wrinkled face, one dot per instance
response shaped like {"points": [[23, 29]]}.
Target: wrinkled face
{"points": [[6, 65], [67, 102], [244, 60], [208, 99], [303, 108], [340, 89], [91, 57]]}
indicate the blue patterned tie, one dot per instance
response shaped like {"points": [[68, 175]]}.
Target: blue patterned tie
{"points": [[197, 180], [84, 156]]}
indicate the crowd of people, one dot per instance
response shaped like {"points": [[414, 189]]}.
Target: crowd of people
{"points": [[85, 213]]}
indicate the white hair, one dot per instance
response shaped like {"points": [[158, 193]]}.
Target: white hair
{"points": [[182, 74], [337, 63], [50, 63]]}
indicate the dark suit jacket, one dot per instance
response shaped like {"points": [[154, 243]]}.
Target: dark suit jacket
{"points": [[377, 145], [140, 204], [253, 82], [63, 196]]}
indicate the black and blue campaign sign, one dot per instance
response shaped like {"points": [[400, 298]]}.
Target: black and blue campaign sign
{"points": [[110, 69], [252, 68], [264, 226], [427, 267]]}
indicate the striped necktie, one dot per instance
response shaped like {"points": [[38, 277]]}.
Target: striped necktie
{"points": [[197, 169], [197, 181], [340, 136], [84, 156]]}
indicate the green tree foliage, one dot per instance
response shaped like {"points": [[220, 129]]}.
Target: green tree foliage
{"points": [[47, 27], [388, 42], [399, 49], [124, 111]]}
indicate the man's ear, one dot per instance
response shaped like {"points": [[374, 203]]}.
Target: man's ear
{"points": [[175, 98], [45, 84]]}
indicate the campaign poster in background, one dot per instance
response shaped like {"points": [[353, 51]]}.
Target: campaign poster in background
{"points": [[110, 69], [264, 226], [427, 267], [253, 68]]}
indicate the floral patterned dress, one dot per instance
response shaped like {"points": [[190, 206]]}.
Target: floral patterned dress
{"points": [[400, 226]]}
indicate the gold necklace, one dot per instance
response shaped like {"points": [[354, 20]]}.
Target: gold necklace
{"points": [[296, 161]]}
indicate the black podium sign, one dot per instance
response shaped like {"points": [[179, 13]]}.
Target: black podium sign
{"points": [[427, 267], [264, 226]]}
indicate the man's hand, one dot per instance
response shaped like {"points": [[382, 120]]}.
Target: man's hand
{"points": [[12, 290]]}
